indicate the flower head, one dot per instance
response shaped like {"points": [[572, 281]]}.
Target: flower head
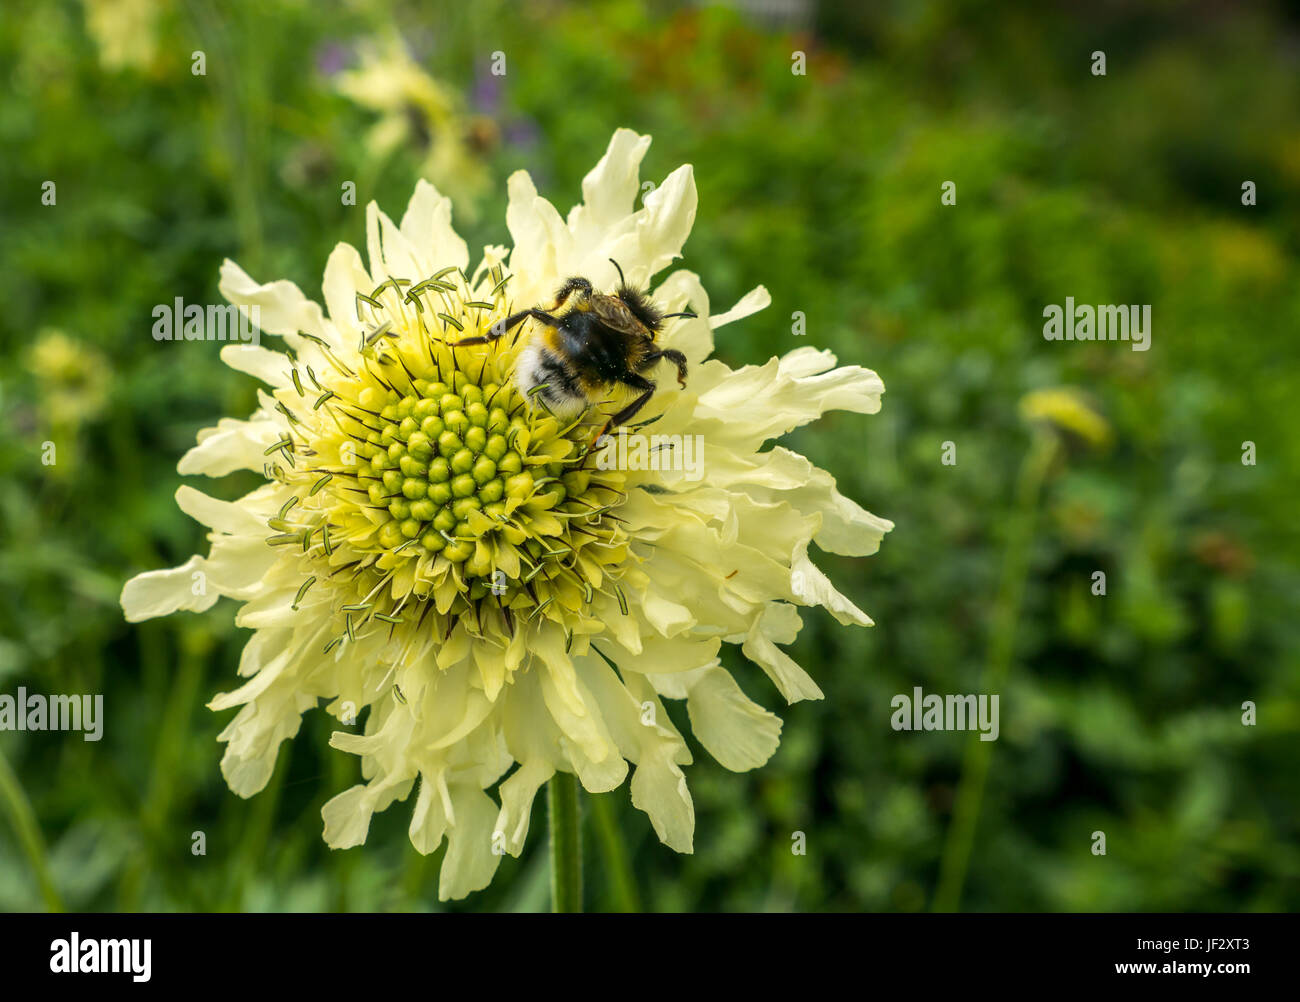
{"points": [[434, 547], [73, 376], [126, 31], [1067, 410]]}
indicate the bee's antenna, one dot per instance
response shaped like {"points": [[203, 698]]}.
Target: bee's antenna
{"points": [[621, 279], [691, 316]]}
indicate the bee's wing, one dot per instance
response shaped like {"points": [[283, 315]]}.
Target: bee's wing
{"points": [[613, 313]]}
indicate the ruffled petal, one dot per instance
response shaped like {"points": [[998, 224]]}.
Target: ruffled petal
{"points": [[283, 309], [160, 593], [738, 732], [470, 861], [517, 795], [429, 233], [231, 445]]}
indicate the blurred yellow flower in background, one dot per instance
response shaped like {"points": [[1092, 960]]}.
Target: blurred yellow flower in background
{"points": [[126, 31], [417, 110], [1067, 409], [72, 376]]}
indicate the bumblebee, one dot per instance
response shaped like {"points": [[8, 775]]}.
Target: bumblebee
{"points": [[597, 343]]}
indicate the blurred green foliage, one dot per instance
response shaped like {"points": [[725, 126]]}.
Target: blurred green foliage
{"points": [[1120, 713]]}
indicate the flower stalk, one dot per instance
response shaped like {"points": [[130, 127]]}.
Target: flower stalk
{"points": [[29, 833], [566, 843], [1006, 611], [617, 871]]}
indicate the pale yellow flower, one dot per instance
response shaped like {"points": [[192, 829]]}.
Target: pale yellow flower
{"points": [[1068, 410], [126, 31], [537, 626], [72, 376], [415, 110]]}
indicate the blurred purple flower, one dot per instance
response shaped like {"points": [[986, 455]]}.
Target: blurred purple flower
{"points": [[522, 133], [333, 58], [486, 95]]}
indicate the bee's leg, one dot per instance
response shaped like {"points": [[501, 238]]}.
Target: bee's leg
{"points": [[568, 288], [503, 327], [674, 356], [627, 413]]}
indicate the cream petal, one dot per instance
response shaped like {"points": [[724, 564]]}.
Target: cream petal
{"points": [[737, 732], [781, 622], [659, 789], [517, 794], [237, 565], [253, 739], [757, 298], [262, 647], [681, 653], [812, 587], [345, 276], [224, 516], [526, 724], [668, 217], [680, 292], [428, 230], [470, 861], [590, 749], [429, 817], [658, 785], [620, 711], [792, 681], [665, 615], [283, 309], [755, 403], [397, 258], [160, 593], [476, 708], [610, 188], [231, 445], [541, 240], [271, 666], [596, 775], [846, 527], [271, 367], [347, 818]]}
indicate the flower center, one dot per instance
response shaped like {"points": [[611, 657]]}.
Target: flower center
{"points": [[422, 476], [441, 455]]}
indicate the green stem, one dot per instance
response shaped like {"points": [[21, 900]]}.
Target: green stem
{"points": [[566, 843], [29, 833], [1006, 610], [239, 97], [622, 882], [259, 820], [161, 790]]}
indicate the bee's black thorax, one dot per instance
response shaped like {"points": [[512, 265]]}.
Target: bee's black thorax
{"points": [[594, 348], [642, 308]]}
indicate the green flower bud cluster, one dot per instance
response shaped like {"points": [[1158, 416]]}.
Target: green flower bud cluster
{"points": [[443, 452]]}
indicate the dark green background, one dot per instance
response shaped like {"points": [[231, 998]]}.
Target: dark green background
{"points": [[1119, 713]]}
